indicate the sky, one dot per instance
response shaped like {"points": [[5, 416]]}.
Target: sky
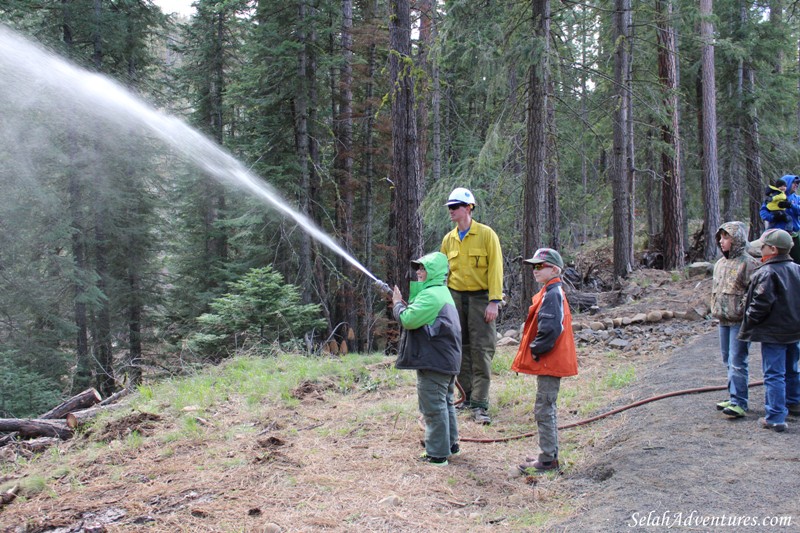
{"points": [[184, 7]]}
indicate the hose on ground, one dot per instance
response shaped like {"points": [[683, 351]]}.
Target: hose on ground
{"points": [[609, 413]]}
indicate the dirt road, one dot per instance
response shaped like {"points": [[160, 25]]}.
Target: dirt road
{"points": [[679, 464]]}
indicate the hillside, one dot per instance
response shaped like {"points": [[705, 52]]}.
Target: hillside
{"points": [[298, 444]]}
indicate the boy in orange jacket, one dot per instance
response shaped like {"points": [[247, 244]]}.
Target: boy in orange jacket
{"points": [[548, 351]]}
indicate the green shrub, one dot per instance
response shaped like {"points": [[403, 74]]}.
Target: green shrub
{"points": [[260, 310]]}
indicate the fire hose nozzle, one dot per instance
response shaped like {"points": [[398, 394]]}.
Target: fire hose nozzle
{"points": [[383, 286]]}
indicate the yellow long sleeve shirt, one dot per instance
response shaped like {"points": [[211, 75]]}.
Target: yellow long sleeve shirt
{"points": [[476, 263]]}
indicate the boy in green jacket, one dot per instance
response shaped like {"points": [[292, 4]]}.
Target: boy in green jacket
{"points": [[431, 345]]}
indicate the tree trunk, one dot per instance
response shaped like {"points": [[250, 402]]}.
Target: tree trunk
{"points": [[369, 175], [29, 428], [752, 154], [347, 299], [76, 419], [423, 63], [672, 201], [534, 210], [302, 148], [708, 130], [406, 169], [620, 171], [83, 373], [436, 108], [83, 400]]}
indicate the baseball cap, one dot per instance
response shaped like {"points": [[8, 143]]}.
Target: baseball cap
{"points": [[774, 237], [546, 255]]}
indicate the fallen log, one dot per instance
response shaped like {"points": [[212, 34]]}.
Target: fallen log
{"points": [[30, 428], [9, 495], [80, 401], [79, 418], [114, 397], [37, 445]]}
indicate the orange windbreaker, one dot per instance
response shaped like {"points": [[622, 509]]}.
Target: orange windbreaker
{"points": [[562, 360]]}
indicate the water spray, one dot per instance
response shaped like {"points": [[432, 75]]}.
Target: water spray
{"points": [[28, 65]]}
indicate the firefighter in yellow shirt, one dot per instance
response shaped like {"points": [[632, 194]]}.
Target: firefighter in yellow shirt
{"points": [[476, 283]]}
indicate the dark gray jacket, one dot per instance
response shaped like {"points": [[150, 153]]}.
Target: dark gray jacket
{"points": [[772, 305], [431, 337]]}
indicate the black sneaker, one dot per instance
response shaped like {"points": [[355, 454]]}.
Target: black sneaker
{"points": [[455, 449], [481, 416], [439, 461]]}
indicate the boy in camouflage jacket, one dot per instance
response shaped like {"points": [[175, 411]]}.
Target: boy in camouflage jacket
{"points": [[731, 278]]}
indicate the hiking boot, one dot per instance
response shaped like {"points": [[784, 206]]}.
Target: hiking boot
{"points": [[778, 427], [439, 461], [734, 411], [463, 406], [723, 405], [481, 416], [794, 409], [538, 466]]}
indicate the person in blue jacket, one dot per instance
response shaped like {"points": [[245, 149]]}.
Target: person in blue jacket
{"points": [[431, 344], [778, 214]]}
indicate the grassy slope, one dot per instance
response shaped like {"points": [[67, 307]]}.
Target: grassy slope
{"points": [[307, 443]]}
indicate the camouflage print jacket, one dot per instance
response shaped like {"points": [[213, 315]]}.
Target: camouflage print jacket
{"points": [[732, 276]]}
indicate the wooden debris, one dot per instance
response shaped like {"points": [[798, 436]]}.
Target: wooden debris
{"points": [[33, 427], [83, 400]]}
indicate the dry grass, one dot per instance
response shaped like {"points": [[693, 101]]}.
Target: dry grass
{"points": [[326, 460]]}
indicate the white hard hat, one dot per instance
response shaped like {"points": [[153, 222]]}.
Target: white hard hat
{"points": [[460, 195]]}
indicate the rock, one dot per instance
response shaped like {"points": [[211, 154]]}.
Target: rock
{"points": [[700, 268], [597, 326], [667, 314], [626, 321], [603, 335], [593, 310], [507, 341], [608, 323], [510, 333], [654, 316], [391, 501], [617, 322], [513, 471], [680, 314], [639, 318], [619, 343], [577, 327], [271, 528]]}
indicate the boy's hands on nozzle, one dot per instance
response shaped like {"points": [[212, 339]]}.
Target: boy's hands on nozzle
{"points": [[396, 296]]}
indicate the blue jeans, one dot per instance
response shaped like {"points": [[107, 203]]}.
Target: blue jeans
{"points": [[435, 392], [735, 355], [781, 380]]}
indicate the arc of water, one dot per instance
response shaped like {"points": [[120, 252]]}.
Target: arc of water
{"points": [[100, 95]]}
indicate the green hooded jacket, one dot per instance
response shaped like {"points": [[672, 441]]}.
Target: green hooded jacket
{"points": [[431, 338]]}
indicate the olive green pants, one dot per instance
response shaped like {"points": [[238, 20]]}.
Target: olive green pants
{"points": [[478, 341]]}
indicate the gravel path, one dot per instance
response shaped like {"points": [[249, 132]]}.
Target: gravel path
{"points": [[679, 464]]}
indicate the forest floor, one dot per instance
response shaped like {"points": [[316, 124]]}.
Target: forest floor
{"points": [[348, 462]]}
